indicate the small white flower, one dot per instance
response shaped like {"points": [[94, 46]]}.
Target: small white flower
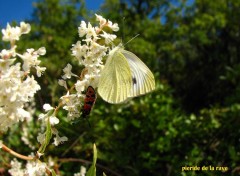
{"points": [[91, 31], [102, 21], [41, 116], [80, 85], [16, 168], [7, 54], [40, 70], [23, 114], [54, 120], [11, 33], [1, 144], [82, 29], [68, 72], [87, 30], [65, 98], [108, 37], [47, 107], [25, 27], [41, 51], [63, 83], [30, 59], [79, 51], [114, 26], [92, 79], [82, 172], [30, 87], [98, 51], [59, 140], [72, 102], [5, 64], [35, 168]]}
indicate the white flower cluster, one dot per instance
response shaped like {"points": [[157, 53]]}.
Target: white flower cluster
{"points": [[89, 52], [36, 168], [12, 34], [17, 86]]}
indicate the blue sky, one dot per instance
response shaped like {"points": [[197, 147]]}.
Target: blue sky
{"points": [[19, 10]]}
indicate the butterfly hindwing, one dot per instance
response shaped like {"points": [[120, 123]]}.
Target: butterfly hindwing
{"points": [[143, 79]]}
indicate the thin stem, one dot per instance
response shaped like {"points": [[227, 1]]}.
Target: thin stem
{"points": [[6, 149], [29, 158], [101, 27], [12, 42]]}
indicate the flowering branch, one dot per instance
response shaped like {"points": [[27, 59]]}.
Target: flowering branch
{"points": [[17, 88], [89, 52]]}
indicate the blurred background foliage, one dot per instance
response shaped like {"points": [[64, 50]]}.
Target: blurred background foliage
{"points": [[191, 119]]}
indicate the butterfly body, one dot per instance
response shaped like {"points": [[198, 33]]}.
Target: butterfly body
{"points": [[124, 76], [89, 101]]}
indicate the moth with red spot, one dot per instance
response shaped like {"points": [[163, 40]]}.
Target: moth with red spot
{"points": [[89, 101]]}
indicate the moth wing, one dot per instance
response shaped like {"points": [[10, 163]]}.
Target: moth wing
{"points": [[143, 79], [89, 101], [116, 80]]}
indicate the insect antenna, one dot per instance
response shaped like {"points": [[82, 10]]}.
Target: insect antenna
{"points": [[123, 33], [131, 39], [88, 123]]}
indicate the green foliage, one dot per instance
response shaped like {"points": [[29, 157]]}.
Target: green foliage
{"points": [[156, 135], [205, 42]]}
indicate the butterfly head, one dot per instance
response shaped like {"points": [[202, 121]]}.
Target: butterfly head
{"points": [[115, 49]]}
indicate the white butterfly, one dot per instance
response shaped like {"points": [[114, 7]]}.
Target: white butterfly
{"points": [[123, 76]]}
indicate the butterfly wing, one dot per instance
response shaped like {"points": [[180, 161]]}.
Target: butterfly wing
{"points": [[116, 80], [143, 79]]}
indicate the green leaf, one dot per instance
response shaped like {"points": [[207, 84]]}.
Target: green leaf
{"points": [[48, 137], [53, 173], [94, 154], [92, 169]]}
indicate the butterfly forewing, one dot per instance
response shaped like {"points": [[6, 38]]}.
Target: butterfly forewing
{"points": [[115, 82], [143, 79]]}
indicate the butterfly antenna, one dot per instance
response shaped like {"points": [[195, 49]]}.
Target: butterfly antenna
{"points": [[123, 22], [132, 39]]}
